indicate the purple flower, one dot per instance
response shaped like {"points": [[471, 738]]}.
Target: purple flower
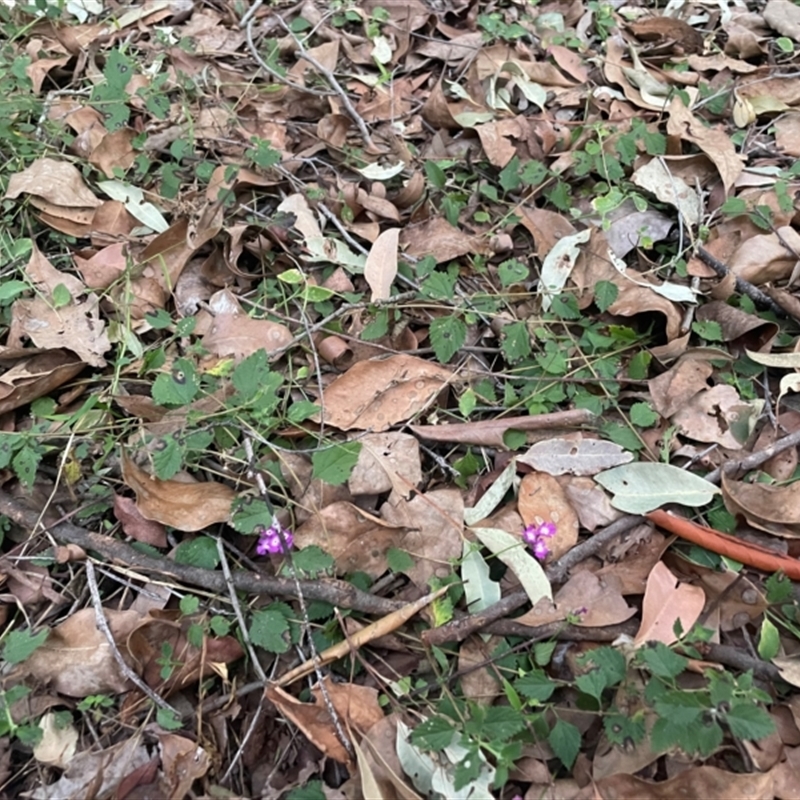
{"points": [[535, 535], [274, 539]]}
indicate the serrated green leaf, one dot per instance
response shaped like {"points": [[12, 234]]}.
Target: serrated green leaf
{"points": [[536, 685], [25, 463], [642, 487], [512, 271], [516, 342], [267, 629], [439, 286], [334, 465], [167, 458], [643, 415], [311, 561], [250, 513], [592, 683], [565, 739], [710, 330], [662, 661], [605, 293], [748, 721], [189, 604], [8, 443], [434, 734], [199, 552], [177, 387], [19, 645], [621, 728], [447, 335], [168, 720], [399, 560]]}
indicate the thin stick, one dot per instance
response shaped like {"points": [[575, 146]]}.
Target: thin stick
{"points": [[743, 286], [755, 459], [102, 625]]}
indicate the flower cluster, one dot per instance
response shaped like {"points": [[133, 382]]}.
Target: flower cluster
{"points": [[537, 535], [274, 539]]}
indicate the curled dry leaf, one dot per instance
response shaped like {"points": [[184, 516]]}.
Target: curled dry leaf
{"points": [[378, 393], [185, 506], [671, 390], [182, 763], [135, 525], [716, 415], [774, 509], [35, 375], [77, 659], [58, 182]]}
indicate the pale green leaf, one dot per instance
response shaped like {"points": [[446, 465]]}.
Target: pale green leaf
{"points": [[642, 487], [512, 552], [491, 499], [480, 590]]}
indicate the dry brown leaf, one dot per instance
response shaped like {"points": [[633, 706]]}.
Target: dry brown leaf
{"points": [[46, 277], [239, 336], [671, 390], [435, 523], [479, 681], [386, 461], [438, 238], [58, 182], [356, 540], [710, 415], [380, 753], [76, 327], [381, 267], [135, 525], [541, 499], [713, 141], [708, 782], [596, 601], [591, 503], [182, 763], [77, 660], [666, 601], [35, 375], [784, 17], [378, 393], [185, 506], [764, 258]]}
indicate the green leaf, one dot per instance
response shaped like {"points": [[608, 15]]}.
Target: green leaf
{"points": [[435, 175], [641, 487], [189, 604], [219, 625], [311, 791], [439, 286], [778, 586], [199, 552], [536, 685], [251, 512], [311, 561], [734, 206], [334, 465], [448, 335], [267, 629], [748, 721], [565, 739], [468, 768], [592, 683], [61, 296], [639, 365], [611, 662], [399, 560], [8, 443], [516, 343], [643, 416], [178, 387], [511, 272], [434, 734], [251, 375], [25, 463], [769, 640], [501, 723], [167, 458], [621, 728], [565, 306], [467, 402], [480, 591], [605, 293], [9, 289], [29, 735], [662, 661], [709, 330], [377, 327], [167, 720], [509, 177], [19, 645], [514, 440]]}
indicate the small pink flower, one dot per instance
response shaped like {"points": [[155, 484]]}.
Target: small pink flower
{"points": [[541, 550], [535, 535], [273, 540]]}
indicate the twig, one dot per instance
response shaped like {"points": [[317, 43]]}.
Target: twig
{"points": [[755, 459], [335, 85], [102, 625], [745, 287], [336, 592], [459, 629]]}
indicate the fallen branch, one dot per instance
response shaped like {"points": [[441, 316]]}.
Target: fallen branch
{"points": [[749, 553], [338, 593]]}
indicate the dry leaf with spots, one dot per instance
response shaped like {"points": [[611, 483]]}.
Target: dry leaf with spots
{"points": [[541, 499]]}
